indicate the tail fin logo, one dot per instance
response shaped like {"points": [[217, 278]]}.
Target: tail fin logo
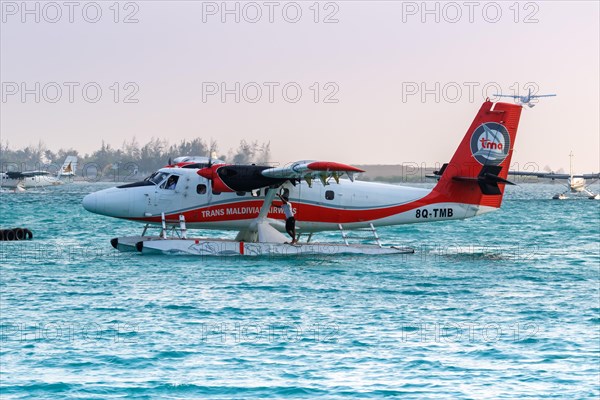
{"points": [[490, 143]]}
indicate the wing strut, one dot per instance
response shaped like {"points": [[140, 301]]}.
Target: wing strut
{"points": [[269, 197], [261, 230]]}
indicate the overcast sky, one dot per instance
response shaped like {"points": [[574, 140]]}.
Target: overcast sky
{"points": [[381, 82]]}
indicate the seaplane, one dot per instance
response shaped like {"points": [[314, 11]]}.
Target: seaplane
{"points": [[19, 181], [576, 184], [528, 99], [202, 193]]}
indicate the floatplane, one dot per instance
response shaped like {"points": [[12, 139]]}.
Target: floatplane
{"points": [[576, 184], [19, 181], [527, 99], [202, 193]]}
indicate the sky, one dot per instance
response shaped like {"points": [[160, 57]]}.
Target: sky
{"points": [[349, 81]]}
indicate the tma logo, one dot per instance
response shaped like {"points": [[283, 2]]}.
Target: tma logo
{"points": [[490, 143]]}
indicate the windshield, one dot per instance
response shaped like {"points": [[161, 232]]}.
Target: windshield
{"points": [[157, 177], [171, 183]]}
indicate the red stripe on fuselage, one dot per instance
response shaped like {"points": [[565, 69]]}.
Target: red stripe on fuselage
{"points": [[304, 212]]}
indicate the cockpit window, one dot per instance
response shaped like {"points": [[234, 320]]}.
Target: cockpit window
{"points": [[170, 183], [157, 177]]}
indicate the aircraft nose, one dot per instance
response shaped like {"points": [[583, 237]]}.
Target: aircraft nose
{"points": [[112, 202], [90, 202]]}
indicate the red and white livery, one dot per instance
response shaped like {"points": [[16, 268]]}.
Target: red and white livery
{"points": [[215, 195]]}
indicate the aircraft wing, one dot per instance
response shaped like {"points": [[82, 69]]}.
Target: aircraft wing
{"points": [[588, 176], [14, 175], [309, 170], [25, 174], [232, 178], [549, 175], [552, 175], [28, 174], [533, 96]]}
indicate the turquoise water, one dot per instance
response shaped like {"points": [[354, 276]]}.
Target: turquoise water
{"points": [[506, 305]]}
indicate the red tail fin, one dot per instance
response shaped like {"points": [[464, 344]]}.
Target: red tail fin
{"points": [[478, 170]]}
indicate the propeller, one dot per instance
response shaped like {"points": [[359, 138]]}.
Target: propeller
{"points": [[210, 171], [212, 153]]}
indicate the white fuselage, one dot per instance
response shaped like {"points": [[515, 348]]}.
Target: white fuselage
{"points": [[576, 184], [317, 208], [30, 181]]}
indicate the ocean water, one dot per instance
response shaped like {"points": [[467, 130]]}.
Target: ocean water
{"points": [[506, 305]]}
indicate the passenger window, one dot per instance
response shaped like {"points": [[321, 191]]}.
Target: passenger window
{"points": [[255, 192], [216, 193], [201, 189], [329, 195], [171, 183], [241, 193]]}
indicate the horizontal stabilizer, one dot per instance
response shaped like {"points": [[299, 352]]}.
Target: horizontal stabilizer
{"points": [[441, 171], [487, 179], [437, 174]]}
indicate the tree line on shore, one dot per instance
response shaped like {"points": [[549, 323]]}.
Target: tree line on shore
{"points": [[144, 158]]}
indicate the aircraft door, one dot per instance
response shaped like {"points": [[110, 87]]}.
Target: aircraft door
{"points": [[166, 196]]}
